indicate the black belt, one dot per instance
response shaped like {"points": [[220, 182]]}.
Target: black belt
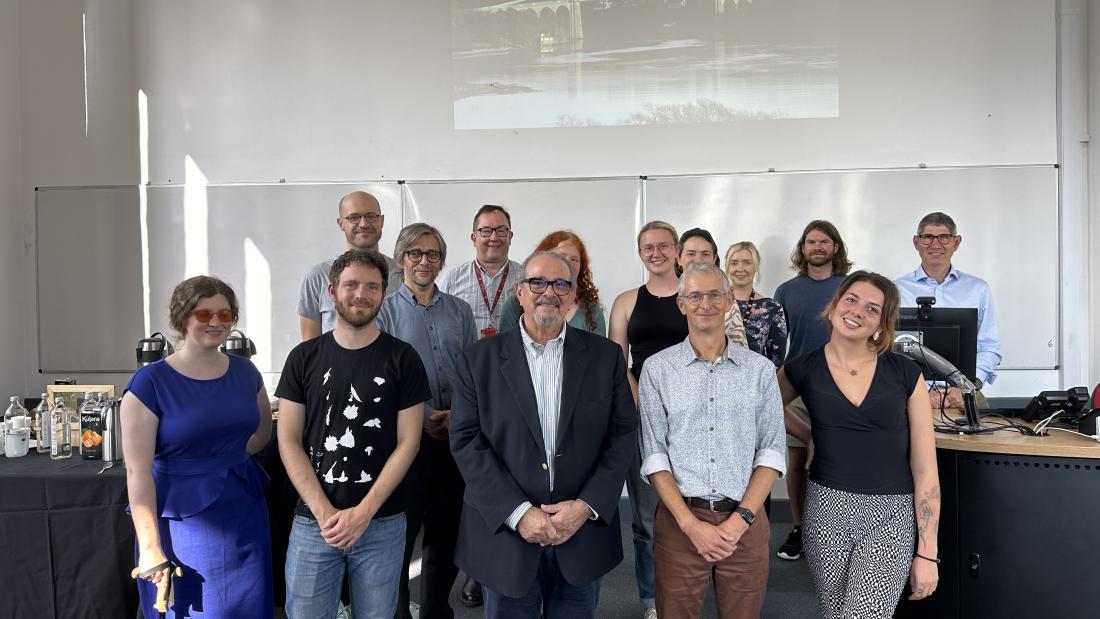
{"points": [[723, 506]]}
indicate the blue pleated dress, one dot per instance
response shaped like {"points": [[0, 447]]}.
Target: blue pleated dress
{"points": [[210, 492]]}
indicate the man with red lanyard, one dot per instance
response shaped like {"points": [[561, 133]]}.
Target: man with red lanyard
{"points": [[485, 283], [488, 280]]}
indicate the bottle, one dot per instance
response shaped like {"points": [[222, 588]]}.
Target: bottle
{"points": [[42, 425], [15, 409], [61, 429]]}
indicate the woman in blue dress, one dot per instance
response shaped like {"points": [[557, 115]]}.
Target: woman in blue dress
{"points": [[190, 423]]}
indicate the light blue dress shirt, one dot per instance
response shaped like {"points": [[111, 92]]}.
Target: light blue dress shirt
{"points": [[960, 290]]}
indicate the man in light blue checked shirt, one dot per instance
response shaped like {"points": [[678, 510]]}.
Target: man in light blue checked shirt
{"points": [[713, 443]]}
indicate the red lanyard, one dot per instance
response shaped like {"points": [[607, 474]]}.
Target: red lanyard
{"points": [[485, 294]]}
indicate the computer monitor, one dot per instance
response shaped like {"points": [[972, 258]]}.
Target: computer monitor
{"points": [[950, 331]]}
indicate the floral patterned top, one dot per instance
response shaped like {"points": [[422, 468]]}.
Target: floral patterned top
{"points": [[765, 327]]}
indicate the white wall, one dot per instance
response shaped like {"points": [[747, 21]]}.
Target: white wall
{"points": [[63, 141], [262, 90], [13, 267], [1092, 220]]}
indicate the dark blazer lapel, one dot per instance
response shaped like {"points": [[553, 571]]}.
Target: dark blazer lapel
{"points": [[516, 372], [574, 366]]}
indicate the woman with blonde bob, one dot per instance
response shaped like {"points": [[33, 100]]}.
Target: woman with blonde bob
{"points": [[760, 318], [873, 497]]}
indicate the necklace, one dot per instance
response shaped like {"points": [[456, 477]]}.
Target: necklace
{"points": [[850, 370]]}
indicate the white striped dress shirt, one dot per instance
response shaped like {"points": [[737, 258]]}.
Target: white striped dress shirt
{"points": [[545, 365]]}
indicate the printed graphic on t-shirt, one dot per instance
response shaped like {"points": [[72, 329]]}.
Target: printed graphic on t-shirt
{"points": [[353, 427]]}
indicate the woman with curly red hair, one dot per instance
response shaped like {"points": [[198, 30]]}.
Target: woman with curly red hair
{"points": [[587, 314]]}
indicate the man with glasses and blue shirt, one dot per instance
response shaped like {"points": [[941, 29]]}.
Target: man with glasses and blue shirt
{"points": [[490, 278], [438, 326], [936, 241], [543, 428], [361, 220]]}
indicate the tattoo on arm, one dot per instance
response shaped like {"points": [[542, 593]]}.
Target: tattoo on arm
{"points": [[926, 514]]}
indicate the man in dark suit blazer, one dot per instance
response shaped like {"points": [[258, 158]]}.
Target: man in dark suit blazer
{"points": [[543, 427]]}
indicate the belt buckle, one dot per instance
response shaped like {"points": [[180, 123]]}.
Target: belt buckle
{"points": [[711, 502]]}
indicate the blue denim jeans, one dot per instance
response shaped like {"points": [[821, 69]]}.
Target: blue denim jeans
{"points": [[643, 509], [315, 570], [550, 596]]}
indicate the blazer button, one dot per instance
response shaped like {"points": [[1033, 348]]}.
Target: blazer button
{"points": [[544, 467]]}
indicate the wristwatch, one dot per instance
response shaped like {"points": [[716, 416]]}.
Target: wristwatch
{"points": [[746, 514]]}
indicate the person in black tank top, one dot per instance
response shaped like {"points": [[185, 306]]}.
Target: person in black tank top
{"points": [[873, 477], [655, 324], [645, 321]]}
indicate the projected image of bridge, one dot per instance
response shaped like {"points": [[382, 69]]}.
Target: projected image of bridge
{"points": [[572, 63]]}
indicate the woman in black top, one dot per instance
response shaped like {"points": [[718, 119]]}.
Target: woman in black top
{"points": [[645, 321], [872, 457]]}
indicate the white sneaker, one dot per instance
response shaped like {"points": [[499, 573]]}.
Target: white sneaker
{"points": [[650, 613]]}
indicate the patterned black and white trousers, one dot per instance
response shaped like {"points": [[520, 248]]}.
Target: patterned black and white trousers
{"points": [[859, 548]]}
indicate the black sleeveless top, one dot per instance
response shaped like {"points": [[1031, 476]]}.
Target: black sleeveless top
{"points": [[655, 324]]}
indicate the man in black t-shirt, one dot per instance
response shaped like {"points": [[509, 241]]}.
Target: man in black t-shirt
{"points": [[350, 423]]}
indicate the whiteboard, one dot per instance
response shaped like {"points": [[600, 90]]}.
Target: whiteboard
{"points": [[604, 213], [262, 238], [88, 257], [1007, 216], [259, 238]]}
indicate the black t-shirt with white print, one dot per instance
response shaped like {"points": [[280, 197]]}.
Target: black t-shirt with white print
{"points": [[352, 398]]}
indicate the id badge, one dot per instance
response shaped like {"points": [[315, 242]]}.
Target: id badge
{"points": [[488, 331]]}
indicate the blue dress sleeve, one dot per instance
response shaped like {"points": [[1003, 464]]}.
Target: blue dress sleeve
{"points": [[143, 385]]}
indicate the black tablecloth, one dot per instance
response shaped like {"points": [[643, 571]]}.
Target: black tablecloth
{"points": [[68, 544]]}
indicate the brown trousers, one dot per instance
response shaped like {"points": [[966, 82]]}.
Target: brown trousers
{"points": [[740, 580]]}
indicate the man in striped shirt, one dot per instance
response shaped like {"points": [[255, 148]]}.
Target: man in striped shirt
{"points": [[490, 278]]}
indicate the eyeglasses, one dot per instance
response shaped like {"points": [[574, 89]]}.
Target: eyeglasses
{"points": [[695, 298], [538, 285], [355, 218], [664, 248], [416, 254], [205, 316], [942, 239], [500, 231]]}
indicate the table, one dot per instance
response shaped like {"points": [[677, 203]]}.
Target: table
{"points": [[1018, 527], [68, 542]]}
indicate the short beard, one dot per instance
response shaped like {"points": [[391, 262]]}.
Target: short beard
{"points": [[547, 321], [356, 321]]}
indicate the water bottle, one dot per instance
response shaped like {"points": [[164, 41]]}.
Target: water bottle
{"points": [[42, 425], [61, 429], [15, 409]]}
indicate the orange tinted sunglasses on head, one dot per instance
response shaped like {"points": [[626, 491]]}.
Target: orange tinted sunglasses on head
{"points": [[204, 316]]}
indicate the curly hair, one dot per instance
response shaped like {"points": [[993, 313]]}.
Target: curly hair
{"points": [[588, 295], [891, 307]]}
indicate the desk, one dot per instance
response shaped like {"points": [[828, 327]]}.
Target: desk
{"points": [[1019, 532], [68, 542]]}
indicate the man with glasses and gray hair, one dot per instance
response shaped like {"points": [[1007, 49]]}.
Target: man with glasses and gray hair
{"points": [[543, 427], [713, 443], [438, 326], [937, 239], [361, 221], [490, 278]]}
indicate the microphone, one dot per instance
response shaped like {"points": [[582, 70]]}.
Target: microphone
{"points": [[908, 345]]}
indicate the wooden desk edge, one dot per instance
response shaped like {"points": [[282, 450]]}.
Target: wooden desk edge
{"points": [[1009, 442]]}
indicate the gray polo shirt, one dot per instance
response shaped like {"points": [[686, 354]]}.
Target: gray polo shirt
{"points": [[313, 300]]}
